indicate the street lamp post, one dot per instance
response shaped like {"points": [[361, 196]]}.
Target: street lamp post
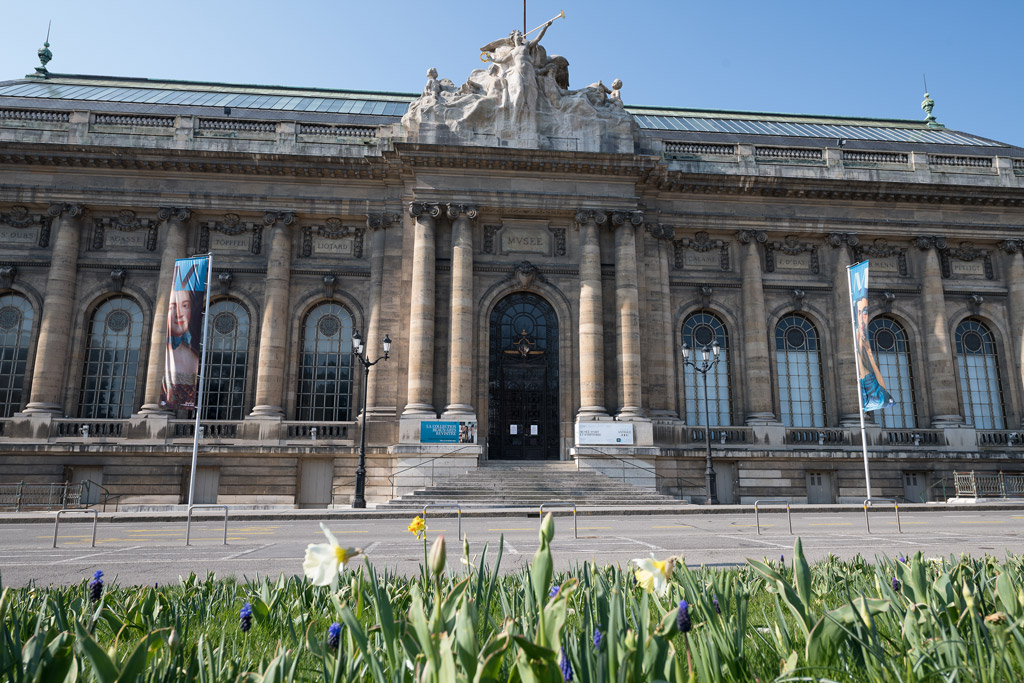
{"points": [[709, 359], [359, 499]]}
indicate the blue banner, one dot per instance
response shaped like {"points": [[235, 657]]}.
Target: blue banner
{"points": [[873, 394], [185, 308], [442, 431]]}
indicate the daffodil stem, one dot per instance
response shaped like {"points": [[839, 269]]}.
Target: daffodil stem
{"points": [[689, 659]]}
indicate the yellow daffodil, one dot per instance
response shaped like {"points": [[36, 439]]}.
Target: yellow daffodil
{"points": [[326, 561], [418, 527], [652, 574]]}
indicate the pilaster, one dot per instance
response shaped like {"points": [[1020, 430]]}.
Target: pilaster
{"points": [[938, 351], [756, 349], [460, 347], [662, 379], [421, 312], [627, 304], [591, 335], [377, 224], [848, 388], [273, 331]]}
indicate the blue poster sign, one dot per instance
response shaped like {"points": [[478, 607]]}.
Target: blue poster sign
{"points": [[443, 431]]}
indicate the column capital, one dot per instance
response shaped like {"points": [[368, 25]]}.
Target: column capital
{"points": [[926, 242], [597, 216], [1012, 246], [660, 231], [747, 236], [838, 239], [469, 211], [633, 218], [71, 210], [417, 209], [377, 221], [180, 213], [274, 216]]}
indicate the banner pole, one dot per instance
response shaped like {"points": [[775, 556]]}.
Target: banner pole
{"points": [[199, 392], [860, 402]]}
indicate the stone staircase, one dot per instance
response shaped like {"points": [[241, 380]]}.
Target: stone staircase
{"points": [[520, 483]]}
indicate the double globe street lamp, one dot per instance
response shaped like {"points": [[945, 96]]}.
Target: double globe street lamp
{"points": [[359, 499], [709, 358]]}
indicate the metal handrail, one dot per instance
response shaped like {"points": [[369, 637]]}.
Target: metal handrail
{"points": [[391, 477], [575, 530], [56, 523], [895, 505], [107, 495], [789, 513], [336, 487], [444, 505], [188, 523], [650, 470]]}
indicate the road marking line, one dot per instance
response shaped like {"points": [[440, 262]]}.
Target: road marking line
{"points": [[750, 525], [675, 526], [246, 552], [638, 542], [985, 522], [833, 524], [595, 527], [518, 528]]}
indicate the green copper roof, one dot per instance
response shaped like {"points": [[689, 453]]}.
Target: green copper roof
{"points": [[275, 98]]}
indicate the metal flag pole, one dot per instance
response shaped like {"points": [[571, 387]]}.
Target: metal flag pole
{"points": [[199, 392], [860, 402]]}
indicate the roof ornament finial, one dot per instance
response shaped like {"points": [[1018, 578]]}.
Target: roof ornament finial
{"points": [[928, 104], [44, 55]]}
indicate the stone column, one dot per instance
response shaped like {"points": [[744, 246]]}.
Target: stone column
{"points": [[662, 380], [174, 248], [460, 346], [942, 388], [756, 342], [591, 337], [276, 314], [848, 389], [421, 313], [377, 224], [1016, 280], [58, 311], [627, 303]]}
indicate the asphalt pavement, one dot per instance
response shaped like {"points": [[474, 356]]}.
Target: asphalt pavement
{"points": [[146, 549]]}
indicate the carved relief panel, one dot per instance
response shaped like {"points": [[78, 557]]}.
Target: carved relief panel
{"points": [[701, 253], [333, 239], [231, 235], [885, 258], [967, 261], [515, 236], [19, 228], [125, 231], [791, 255]]}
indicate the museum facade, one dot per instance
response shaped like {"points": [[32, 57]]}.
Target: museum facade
{"points": [[538, 255]]}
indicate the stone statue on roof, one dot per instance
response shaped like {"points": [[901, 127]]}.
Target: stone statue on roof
{"points": [[521, 99]]}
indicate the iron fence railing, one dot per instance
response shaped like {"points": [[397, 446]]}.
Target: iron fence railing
{"points": [[988, 484]]}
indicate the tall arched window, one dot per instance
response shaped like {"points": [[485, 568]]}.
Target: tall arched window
{"points": [[111, 360], [978, 363], [16, 319], [889, 344], [325, 367], [798, 360], [227, 358], [701, 329]]}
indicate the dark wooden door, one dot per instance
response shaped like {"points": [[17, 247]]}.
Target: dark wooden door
{"points": [[523, 421]]}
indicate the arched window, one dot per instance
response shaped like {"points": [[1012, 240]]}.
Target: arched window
{"points": [[798, 360], [16, 318], [325, 367], [227, 359], [889, 343], [111, 360], [978, 363], [701, 329]]}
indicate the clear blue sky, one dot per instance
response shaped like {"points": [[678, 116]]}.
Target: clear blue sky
{"points": [[834, 57]]}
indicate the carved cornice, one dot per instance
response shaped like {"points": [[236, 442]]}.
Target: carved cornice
{"points": [[470, 211], [417, 209], [926, 242], [168, 212], [274, 216], [1012, 246]]}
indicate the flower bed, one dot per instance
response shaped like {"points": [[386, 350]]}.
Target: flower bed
{"points": [[913, 619]]}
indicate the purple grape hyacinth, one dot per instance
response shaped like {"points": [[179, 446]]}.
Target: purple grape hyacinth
{"points": [[683, 619], [597, 636], [96, 587], [554, 591], [245, 618], [333, 635], [566, 667], [896, 585], [714, 601]]}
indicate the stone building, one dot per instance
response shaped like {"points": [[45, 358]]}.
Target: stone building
{"points": [[537, 254]]}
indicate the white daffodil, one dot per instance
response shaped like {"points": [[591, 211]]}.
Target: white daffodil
{"points": [[325, 561], [652, 574]]}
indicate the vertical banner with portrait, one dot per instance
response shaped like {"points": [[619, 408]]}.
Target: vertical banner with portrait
{"points": [[873, 394], [185, 310]]}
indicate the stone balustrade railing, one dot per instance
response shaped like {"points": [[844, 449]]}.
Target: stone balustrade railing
{"points": [[868, 157], [695, 148], [789, 153], [238, 125], [913, 437], [29, 115], [134, 121], [337, 131], [966, 162], [1000, 438]]}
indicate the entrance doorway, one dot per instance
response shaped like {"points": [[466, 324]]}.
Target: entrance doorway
{"points": [[522, 407]]}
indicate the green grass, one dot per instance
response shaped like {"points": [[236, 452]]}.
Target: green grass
{"points": [[954, 619]]}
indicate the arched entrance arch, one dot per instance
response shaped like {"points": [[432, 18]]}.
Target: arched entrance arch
{"points": [[523, 417]]}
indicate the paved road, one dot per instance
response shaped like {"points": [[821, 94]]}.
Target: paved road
{"points": [[148, 552]]}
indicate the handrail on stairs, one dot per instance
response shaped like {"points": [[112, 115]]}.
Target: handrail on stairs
{"points": [[657, 477], [391, 478]]}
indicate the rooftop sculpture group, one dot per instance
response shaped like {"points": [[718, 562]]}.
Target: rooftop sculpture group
{"points": [[522, 99]]}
